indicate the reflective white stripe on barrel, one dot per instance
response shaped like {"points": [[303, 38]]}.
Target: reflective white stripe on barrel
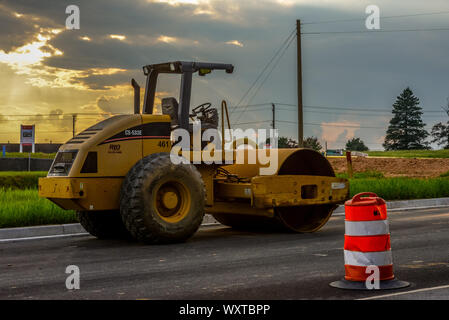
{"points": [[366, 228], [364, 259]]}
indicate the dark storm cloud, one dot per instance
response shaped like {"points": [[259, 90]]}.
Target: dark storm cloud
{"points": [[14, 32], [260, 26], [257, 24]]}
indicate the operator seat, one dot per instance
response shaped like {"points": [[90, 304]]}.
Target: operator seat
{"points": [[170, 106]]}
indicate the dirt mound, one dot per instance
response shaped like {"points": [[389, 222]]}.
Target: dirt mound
{"points": [[394, 167]]}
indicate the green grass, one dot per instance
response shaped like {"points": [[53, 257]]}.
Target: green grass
{"points": [[38, 155], [19, 208], [411, 153], [20, 179], [402, 188], [22, 173]]}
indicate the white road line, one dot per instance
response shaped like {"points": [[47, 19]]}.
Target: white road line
{"points": [[406, 292], [212, 224], [44, 237]]}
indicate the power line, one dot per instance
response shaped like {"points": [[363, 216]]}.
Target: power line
{"points": [[343, 126], [335, 108], [316, 124], [254, 105], [376, 31], [361, 112], [366, 109], [252, 122], [263, 71], [386, 17], [332, 125], [60, 114], [274, 65], [355, 113]]}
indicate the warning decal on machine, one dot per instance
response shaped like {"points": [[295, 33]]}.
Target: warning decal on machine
{"points": [[152, 130], [338, 185]]}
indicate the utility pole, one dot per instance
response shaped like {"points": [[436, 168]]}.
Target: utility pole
{"points": [[73, 123], [274, 115], [299, 66]]}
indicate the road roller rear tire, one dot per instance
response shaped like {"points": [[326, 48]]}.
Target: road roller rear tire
{"points": [[162, 202], [294, 219], [103, 224], [304, 219], [247, 222]]}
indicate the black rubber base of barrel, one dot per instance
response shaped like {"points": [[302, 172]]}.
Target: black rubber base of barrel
{"points": [[360, 285]]}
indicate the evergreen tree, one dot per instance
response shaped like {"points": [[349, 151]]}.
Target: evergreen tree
{"points": [[356, 144], [406, 130], [440, 131]]}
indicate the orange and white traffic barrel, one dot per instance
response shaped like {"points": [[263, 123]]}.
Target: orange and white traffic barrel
{"points": [[367, 247]]}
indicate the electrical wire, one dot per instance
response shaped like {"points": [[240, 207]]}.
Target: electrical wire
{"points": [[376, 31], [366, 109], [291, 34], [274, 65], [383, 17], [251, 122], [61, 114]]}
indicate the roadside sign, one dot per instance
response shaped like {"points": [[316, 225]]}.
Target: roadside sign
{"points": [[27, 136]]}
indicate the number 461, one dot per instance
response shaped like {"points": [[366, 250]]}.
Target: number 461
{"points": [[163, 144]]}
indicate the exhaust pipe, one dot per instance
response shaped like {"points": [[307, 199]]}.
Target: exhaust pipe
{"points": [[136, 96]]}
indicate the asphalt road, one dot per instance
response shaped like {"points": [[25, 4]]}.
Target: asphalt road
{"points": [[220, 263]]}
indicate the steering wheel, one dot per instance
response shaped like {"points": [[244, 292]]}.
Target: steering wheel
{"points": [[202, 108]]}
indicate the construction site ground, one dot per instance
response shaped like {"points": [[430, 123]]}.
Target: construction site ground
{"points": [[394, 167]]}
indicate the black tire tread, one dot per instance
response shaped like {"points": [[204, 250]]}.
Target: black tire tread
{"points": [[248, 223], [131, 201], [103, 224]]}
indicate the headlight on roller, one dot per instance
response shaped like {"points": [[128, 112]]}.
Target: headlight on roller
{"points": [[62, 163]]}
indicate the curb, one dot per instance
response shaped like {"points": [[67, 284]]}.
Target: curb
{"points": [[60, 230], [41, 231], [407, 205], [75, 229]]}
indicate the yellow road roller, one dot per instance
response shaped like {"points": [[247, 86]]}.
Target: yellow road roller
{"points": [[121, 177]]}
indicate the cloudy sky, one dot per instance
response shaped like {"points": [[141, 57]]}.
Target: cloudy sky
{"points": [[350, 79]]}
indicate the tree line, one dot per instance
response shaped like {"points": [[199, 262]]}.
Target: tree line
{"points": [[406, 129]]}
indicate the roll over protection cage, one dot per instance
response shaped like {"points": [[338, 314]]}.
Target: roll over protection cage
{"points": [[186, 69]]}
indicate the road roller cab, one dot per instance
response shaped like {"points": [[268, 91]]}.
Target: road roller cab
{"points": [[124, 179]]}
